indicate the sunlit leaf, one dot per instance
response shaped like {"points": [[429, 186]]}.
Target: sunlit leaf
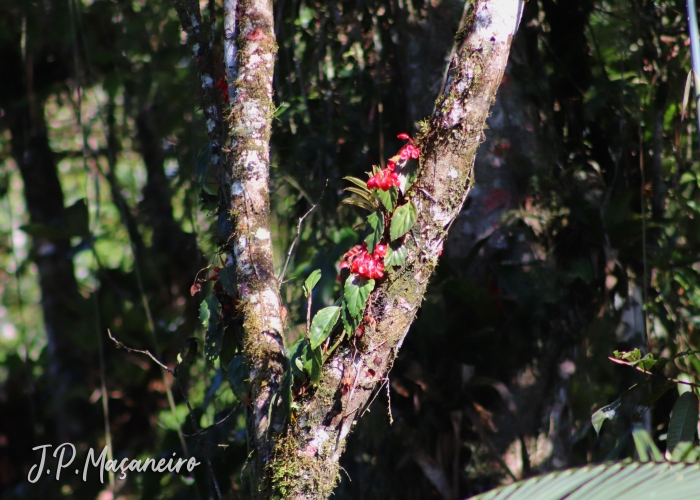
{"points": [[688, 177], [685, 452], [360, 202], [358, 182], [311, 281], [388, 198], [395, 255], [363, 193], [402, 220], [644, 444], [356, 292], [605, 413], [322, 324]]}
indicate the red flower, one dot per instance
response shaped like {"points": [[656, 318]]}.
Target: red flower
{"points": [[364, 264], [367, 266], [385, 179], [379, 251], [409, 150], [223, 88]]}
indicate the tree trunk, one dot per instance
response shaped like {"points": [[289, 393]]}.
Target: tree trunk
{"points": [[306, 460], [300, 459], [59, 290]]}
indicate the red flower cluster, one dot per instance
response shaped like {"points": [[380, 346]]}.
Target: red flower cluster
{"points": [[409, 150], [365, 264], [388, 177], [385, 179]]}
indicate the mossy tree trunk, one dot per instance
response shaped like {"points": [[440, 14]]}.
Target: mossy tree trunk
{"points": [[301, 459]]}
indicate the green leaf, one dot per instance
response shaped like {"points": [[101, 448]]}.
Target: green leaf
{"points": [[684, 420], [311, 281], [395, 256], [403, 219], [350, 324], [356, 292], [360, 202], [606, 412], [358, 182], [687, 177], [313, 360], [296, 358], [410, 179], [239, 377], [647, 362], [646, 449], [685, 452], [631, 480], [629, 356], [388, 198], [322, 324], [204, 312], [376, 223], [228, 278], [363, 193]]}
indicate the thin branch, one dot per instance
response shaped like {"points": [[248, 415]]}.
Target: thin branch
{"points": [[120, 345], [654, 374], [296, 238]]}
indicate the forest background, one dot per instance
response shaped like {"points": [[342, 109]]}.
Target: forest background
{"points": [[578, 238]]}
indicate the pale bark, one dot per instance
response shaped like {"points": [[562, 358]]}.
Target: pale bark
{"points": [[252, 109]]}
